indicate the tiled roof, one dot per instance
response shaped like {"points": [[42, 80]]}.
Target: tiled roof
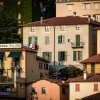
{"points": [[56, 81], [68, 20], [97, 27], [42, 59], [90, 78], [93, 59], [92, 97]]}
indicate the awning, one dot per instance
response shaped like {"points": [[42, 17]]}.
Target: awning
{"points": [[14, 54], [1, 54]]}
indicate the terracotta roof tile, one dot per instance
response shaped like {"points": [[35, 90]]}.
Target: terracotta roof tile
{"points": [[90, 78], [93, 59], [42, 59], [68, 20]]}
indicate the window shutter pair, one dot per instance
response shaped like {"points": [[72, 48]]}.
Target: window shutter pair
{"points": [[95, 87], [77, 55], [46, 39], [50, 56], [61, 55], [61, 39], [77, 87], [32, 40], [45, 66]]}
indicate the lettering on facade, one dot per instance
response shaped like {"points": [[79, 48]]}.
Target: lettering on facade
{"points": [[15, 45]]}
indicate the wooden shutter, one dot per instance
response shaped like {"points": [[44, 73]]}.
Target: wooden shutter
{"points": [[29, 40], [80, 55], [36, 40], [77, 87], [77, 40], [95, 87], [50, 56], [65, 55], [63, 39], [92, 68], [74, 55], [59, 56], [46, 66], [59, 39]]}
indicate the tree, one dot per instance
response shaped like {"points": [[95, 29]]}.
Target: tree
{"points": [[70, 72], [9, 28]]}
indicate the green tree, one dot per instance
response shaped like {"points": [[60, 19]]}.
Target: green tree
{"points": [[9, 28], [70, 72]]}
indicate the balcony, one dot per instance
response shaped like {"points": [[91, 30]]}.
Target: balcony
{"points": [[5, 79], [80, 45]]}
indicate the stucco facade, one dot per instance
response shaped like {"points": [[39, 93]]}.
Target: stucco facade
{"points": [[19, 66], [87, 37], [86, 89], [81, 7], [98, 41], [53, 90]]}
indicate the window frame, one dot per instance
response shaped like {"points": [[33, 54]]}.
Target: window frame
{"points": [[47, 29], [95, 87], [47, 40], [77, 87], [47, 55], [86, 6], [40, 65], [61, 39], [62, 27], [63, 90], [70, 7], [97, 6], [33, 29], [62, 55], [43, 91], [77, 55], [77, 27]]}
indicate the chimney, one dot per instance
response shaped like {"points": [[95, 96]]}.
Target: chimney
{"points": [[41, 20], [89, 18], [94, 17], [84, 75], [74, 13]]}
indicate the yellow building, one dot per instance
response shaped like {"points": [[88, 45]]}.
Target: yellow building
{"points": [[19, 65], [92, 64]]}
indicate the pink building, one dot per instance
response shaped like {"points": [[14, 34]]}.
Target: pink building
{"points": [[48, 89]]}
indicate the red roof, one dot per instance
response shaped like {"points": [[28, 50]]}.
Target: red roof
{"points": [[68, 20], [42, 59], [93, 59], [90, 78]]}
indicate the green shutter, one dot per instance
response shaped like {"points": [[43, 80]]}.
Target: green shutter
{"points": [[77, 40], [29, 40], [65, 55], [92, 68], [50, 56], [59, 56], [59, 39], [74, 55], [36, 40], [80, 55]]}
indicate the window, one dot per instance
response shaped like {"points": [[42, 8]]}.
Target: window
{"points": [[77, 87], [77, 27], [47, 55], [77, 55], [62, 55], [77, 40], [41, 75], [97, 6], [33, 40], [63, 90], [32, 90], [47, 28], [62, 28], [40, 65], [95, 87], [61, 39], [32, 29], [86, 6], [45, 66], [92, 68], [68, 40], [69, 7], [43, 90], [47, 40], [21, 86]]}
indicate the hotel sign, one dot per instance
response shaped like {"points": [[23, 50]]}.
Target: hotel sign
{"points": [[13, 45], [4, 93]]}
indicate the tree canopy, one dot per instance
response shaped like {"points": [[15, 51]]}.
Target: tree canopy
{"points": [[8, 28]]}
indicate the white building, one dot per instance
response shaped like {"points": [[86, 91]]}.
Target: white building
{"points": [[62, 40]]}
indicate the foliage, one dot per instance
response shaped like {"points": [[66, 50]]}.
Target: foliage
{"points": [[8, 28], [70, 72]]}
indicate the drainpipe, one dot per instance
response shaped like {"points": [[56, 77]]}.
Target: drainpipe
{"points": [[54, 46]]}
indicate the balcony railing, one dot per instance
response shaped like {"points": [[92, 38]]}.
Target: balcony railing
{"points": [[6, 79], [79, 45]]}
